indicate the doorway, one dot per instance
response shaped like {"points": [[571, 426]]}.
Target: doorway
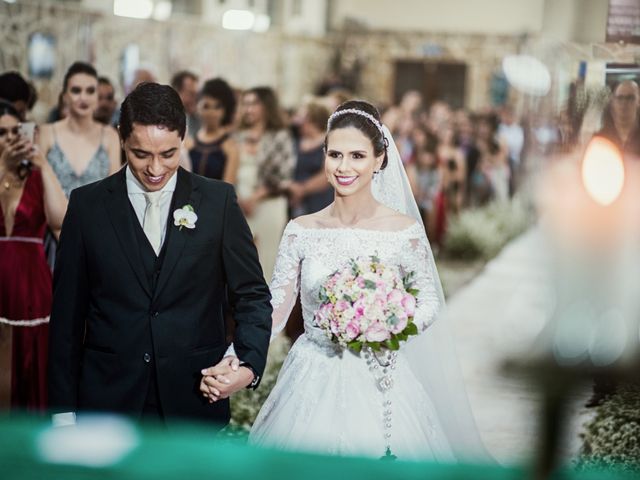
{"points": [[444, 81]]}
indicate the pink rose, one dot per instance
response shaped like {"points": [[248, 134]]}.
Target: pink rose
{"points": [[359, 307], [323, 314], [335, 327], [409, 304], [376, 332], [400, 324], [395, 296], [342, 305], [352, 330]]}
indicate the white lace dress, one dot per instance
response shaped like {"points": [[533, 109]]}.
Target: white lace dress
{"points": [[326, 399]]}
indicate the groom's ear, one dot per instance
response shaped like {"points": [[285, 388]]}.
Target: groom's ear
{"points": [[121, 140]]}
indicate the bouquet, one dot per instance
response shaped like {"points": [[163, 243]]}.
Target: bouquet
{"points": [[368, 304]]}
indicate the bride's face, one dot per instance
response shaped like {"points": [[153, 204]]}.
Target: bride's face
{"points": [[349, 161]]}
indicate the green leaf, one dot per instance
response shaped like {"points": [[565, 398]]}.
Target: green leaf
{"points": [[375, 346], [413, 291], [392, 343], [402, 337], [370, 284], [411, 329], [355, 346]]}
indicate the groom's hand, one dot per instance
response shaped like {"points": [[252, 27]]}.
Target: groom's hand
{"points": [[224, 379]]}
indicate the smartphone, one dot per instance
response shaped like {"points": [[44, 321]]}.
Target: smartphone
{"points": [[27, 130]]}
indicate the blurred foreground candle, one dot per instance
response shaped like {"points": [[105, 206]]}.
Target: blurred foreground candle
{"points": [[590, 208]]}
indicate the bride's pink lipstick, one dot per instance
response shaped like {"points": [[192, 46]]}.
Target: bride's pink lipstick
{"points": [[345, 181]]}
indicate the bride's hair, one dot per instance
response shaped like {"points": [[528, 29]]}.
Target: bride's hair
{"points": [[363, 122]]}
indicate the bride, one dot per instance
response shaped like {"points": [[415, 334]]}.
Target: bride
{"points": [[328, 400]]}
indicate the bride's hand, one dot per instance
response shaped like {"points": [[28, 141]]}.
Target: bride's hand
{"points": [[214, 378]]}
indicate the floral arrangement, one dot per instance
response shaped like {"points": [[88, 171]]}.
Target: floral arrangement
{"points": [[368, 304], [612, 437]]}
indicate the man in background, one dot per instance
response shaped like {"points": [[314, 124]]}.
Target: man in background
{"points": [[15, 90], [107, 111], [186, 84]]}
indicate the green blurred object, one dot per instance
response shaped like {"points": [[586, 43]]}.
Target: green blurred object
{"points": [[194, 452]]}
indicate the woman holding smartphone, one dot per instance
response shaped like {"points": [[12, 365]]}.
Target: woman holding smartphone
{"points": [[31, 199]]}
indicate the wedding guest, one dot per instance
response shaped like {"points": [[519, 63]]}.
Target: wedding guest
{"points": [[266, 165], [214, 153], [426, 182], [30, 200], [494, 157], [475, 182], [512, 135], [454, 169], [186, 84], [107, 110], [15, 90], [80, 149], [621, 124], [58, 112], [144, 73], [310, 190]]}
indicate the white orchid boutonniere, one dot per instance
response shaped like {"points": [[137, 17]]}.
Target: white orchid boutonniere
{"points": [[185, 217]]}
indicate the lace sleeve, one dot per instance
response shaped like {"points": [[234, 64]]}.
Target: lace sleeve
{"points": [[429, 303], [285, 282]]}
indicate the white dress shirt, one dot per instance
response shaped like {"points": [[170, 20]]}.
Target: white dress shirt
{"points": [[136, 191]]}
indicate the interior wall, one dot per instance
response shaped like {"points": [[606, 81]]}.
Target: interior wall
{"points": [[495, 17]]}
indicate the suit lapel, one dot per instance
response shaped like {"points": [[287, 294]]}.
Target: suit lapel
{"points": [[119, 211], [185, 194]]}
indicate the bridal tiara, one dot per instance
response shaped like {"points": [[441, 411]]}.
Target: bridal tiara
{"points": [[362, 113]]}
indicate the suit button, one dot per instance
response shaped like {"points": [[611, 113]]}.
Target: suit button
{"points": [[147, 358], [155, 314]]}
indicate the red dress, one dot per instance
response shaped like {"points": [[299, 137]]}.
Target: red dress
{"points": [[25, 296]]}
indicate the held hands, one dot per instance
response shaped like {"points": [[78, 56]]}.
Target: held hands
{"points": [[224, 379]]}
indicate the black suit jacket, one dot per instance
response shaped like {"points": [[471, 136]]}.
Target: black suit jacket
{"points": [[109, 328]]}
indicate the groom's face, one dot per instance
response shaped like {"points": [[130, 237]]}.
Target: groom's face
{"points": [[153, 154]]}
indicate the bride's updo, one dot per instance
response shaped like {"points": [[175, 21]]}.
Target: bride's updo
{"points": [[365, 117]]}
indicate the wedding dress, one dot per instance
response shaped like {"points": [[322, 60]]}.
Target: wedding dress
{"points": [[328, 400]]}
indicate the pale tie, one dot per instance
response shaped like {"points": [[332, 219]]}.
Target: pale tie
{"points": [[152, 224]]}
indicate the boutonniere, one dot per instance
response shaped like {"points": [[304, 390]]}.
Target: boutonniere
{"points": [[185, 217]]}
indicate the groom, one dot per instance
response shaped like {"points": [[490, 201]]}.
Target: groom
{"points": [[145, 260]]}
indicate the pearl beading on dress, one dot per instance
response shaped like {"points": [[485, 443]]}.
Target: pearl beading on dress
{"points": [[382, 371]]}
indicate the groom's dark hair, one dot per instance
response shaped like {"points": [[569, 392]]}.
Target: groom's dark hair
{"points": [[152, 104]]}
